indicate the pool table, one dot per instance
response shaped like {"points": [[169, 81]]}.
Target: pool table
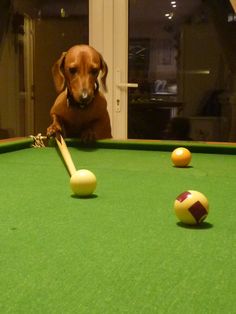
{"points": [[122, 250]]}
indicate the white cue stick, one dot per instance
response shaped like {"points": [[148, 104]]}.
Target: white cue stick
{"points": [[65, 154]]}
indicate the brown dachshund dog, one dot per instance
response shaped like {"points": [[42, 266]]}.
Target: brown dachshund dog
{"points": [[80, 109]]}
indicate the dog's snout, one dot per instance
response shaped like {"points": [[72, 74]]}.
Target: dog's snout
{"points": [[85, 97], [84, 94]]}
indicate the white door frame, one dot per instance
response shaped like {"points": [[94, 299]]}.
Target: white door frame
{"points": [[108, 33]]}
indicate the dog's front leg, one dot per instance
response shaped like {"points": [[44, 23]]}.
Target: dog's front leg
{"points": [[55, 127], [88, 135], [98, 129]]}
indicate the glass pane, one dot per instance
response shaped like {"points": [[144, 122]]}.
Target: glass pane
{"points": [[33, 34], [182, 55]]}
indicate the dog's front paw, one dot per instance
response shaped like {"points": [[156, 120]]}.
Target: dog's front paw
{"points": [[88, 136], [53, 129]]}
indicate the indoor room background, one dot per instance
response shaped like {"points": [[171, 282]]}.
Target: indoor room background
{"points": [[181, 54]]}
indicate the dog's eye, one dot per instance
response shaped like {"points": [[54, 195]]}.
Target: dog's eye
{"points": [[94, 71], [72, 70]]}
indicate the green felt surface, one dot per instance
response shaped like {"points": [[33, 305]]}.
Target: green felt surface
{"points": [[123, 250]]}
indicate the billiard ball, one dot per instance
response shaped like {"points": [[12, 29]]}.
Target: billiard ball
{"points": [[83, 182], [191, 207], [181, 157]]}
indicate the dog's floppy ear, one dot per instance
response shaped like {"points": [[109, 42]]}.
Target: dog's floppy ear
{"points": [[104, 71], [58, 73]]}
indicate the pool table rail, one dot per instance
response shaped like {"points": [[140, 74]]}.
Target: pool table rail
{"points": [[13, 144]]}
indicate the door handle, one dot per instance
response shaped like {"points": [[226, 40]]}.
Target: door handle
{"points": [[130, 85], [119, 86]]}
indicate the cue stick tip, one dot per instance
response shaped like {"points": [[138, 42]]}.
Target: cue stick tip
{"points": [[58, 137], [65, 154]]}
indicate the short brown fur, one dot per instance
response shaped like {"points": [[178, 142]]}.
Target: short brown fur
{"points": [[80, 110]]}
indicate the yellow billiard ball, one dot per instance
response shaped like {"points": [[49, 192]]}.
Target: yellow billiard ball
{"points": [[191, 207], [181, 157], [83, 183]]}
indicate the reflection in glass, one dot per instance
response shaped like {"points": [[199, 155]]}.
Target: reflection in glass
{"points": [[182, 55]]}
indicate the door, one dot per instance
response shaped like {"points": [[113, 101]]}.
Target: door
{"points": [[122, 31], [152, 64], [174, 53]]}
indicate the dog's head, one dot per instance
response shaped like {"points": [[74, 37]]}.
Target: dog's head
{"points": [[78, 70]]}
